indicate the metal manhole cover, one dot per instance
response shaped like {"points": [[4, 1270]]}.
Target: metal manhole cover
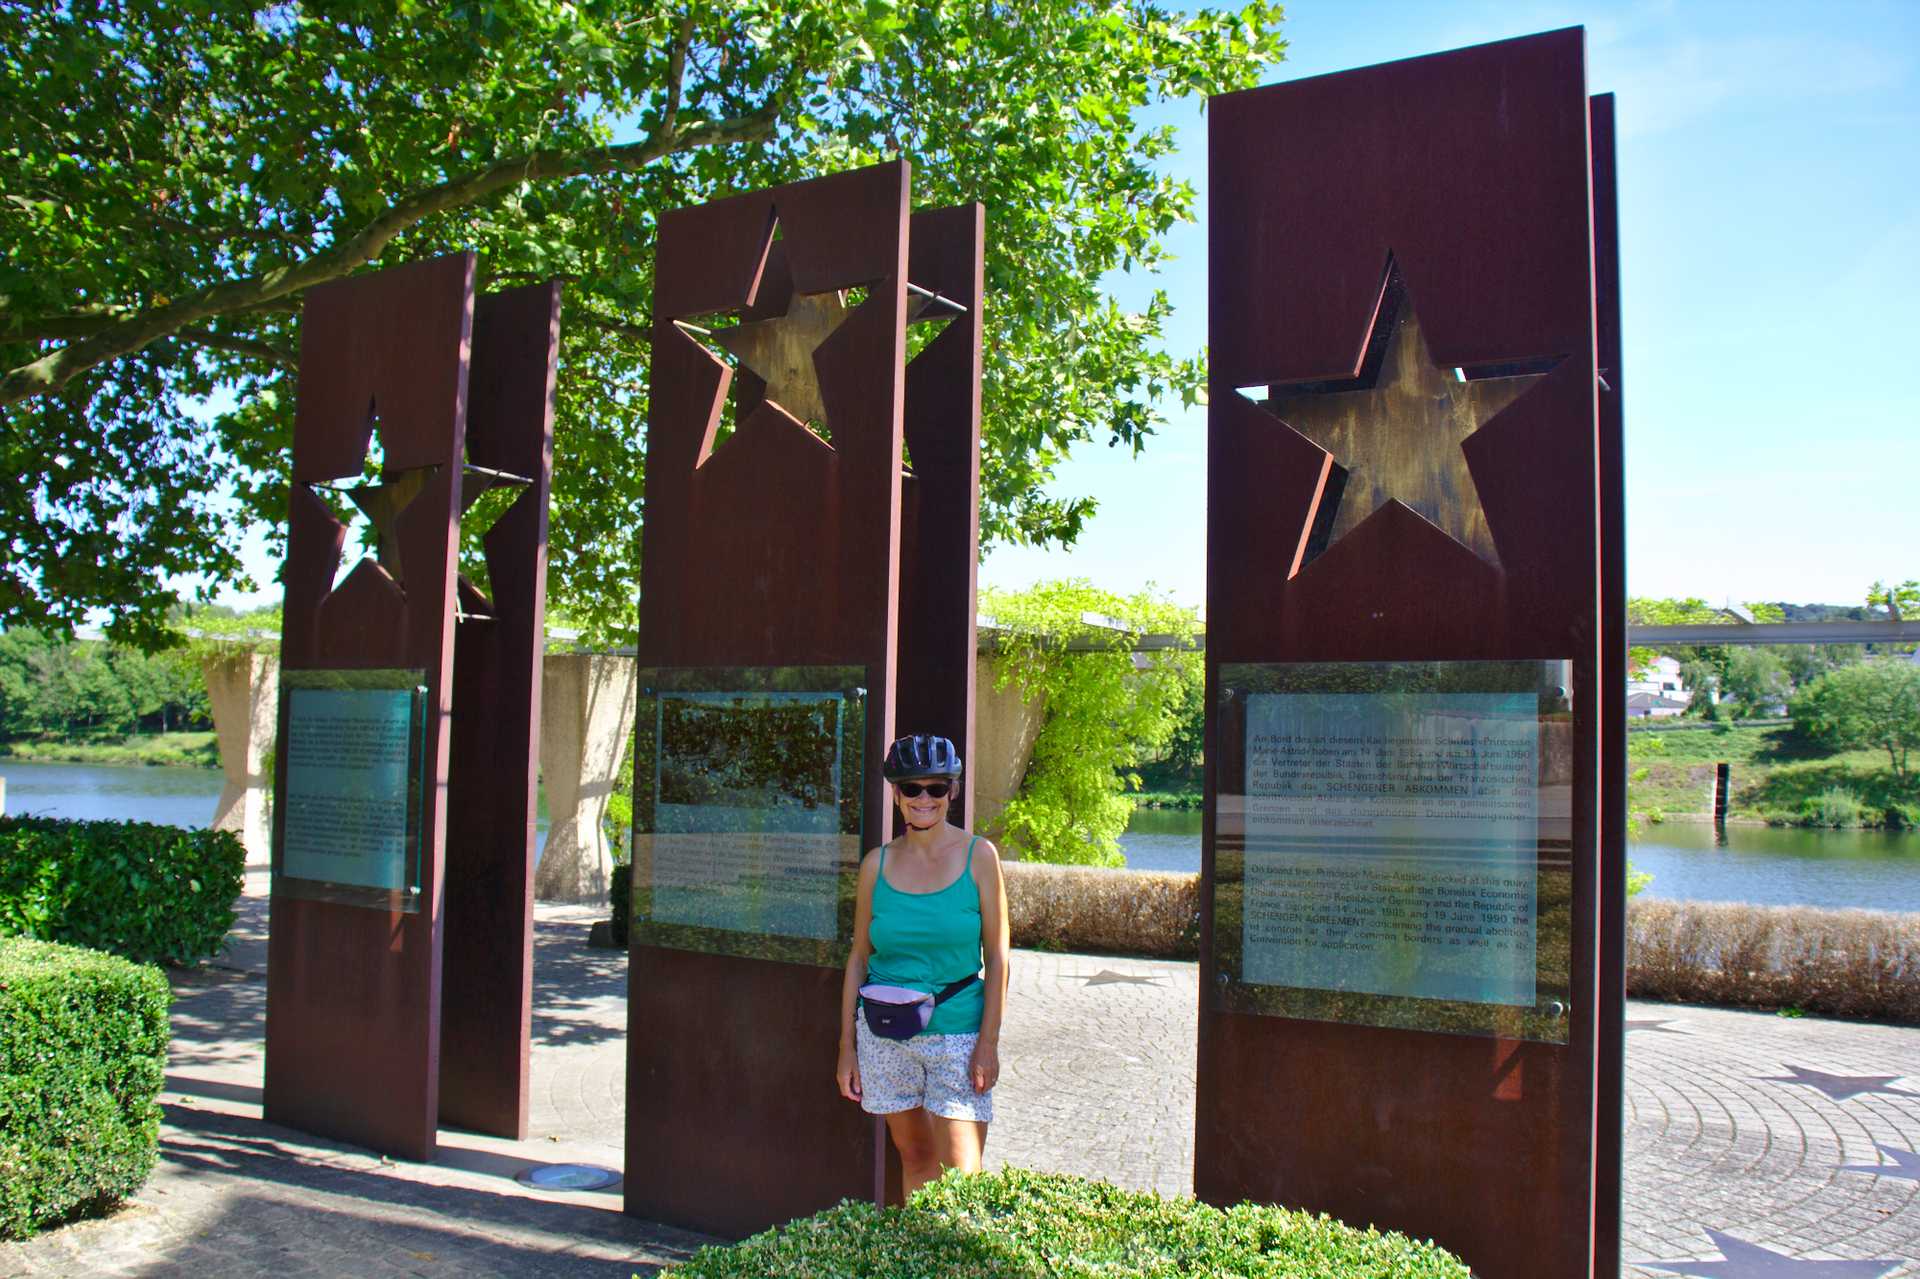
{"points": [[568, 1177]]}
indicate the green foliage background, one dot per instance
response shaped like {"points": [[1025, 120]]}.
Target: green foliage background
{"points": [[1105, 712], [83, 1052], [177, 175]]}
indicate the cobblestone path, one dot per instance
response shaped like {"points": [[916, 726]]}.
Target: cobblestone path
{"points": [[1786, 1138]]}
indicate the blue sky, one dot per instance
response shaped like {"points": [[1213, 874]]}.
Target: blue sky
{"points": [[1769, 204]]}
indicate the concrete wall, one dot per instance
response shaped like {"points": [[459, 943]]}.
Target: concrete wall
{"points": [[1005, 728], [244, 689], [587, 704]]}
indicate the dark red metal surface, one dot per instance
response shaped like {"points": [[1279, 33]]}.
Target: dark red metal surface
{"points": [[1469, 170], [940, 502], [487, 989], [353, 995], [773, 549], [1611, 1075]]}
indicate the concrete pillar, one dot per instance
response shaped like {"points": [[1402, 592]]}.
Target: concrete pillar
{"points": [[586, 715], [244, 688], [1006, 725]]}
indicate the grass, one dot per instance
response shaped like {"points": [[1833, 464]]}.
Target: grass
{"points": [[1774, 774], [160, 750]]}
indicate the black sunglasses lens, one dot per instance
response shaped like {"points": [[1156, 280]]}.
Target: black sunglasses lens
{"points": [[913, 790]]}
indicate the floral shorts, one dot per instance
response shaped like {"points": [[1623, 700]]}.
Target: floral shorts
{"points": [[927, 1070]]}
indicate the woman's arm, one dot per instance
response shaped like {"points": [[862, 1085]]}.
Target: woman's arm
{"points": [[848, 1070], [995, 945]]}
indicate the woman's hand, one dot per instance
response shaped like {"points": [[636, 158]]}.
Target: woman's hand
{"points": [[848, 1072], [985, 1067]]}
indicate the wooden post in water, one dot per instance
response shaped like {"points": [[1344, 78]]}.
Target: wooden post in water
{"points": [[1721, 773]]}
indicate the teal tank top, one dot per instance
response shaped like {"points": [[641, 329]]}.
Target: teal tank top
{"points": [[925, 941]]}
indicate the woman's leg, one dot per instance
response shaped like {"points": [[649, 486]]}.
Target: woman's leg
{"points": [[913, 1136], [958, 1142]]}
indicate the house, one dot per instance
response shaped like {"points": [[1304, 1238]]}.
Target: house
{"points": [[1652, 706], [1660, 678]]}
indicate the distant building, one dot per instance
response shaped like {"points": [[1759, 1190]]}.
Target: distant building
{"points": [[1652, 706], [1660, 680]]}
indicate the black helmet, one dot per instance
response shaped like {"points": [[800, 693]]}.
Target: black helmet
{"points": [[922, 755]]}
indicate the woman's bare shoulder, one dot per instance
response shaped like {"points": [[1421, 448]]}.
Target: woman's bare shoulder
{"points": [[985, 856]]}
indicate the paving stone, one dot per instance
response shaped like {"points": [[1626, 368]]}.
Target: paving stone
{"points": [[1723, 1132]]}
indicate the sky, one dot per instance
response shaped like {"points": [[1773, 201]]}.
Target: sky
{"points": [[1769, 197]]}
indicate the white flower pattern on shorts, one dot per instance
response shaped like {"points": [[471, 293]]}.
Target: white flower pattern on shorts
{"points": [[934, 1071]]}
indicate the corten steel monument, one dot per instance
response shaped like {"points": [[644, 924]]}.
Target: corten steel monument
{"points": [[779, 648], [400, 973], [1414, 876]]}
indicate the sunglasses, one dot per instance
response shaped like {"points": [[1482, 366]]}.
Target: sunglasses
{"points": [[912, 790]]}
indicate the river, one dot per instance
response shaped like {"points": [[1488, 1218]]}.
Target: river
{"points": [[1770, 865]]}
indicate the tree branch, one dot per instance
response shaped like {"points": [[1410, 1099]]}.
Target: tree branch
{"points": [[607, 324], [123, 337], [233, 344]]}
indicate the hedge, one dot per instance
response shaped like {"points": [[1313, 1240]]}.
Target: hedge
{"points": [[1841, 963], [1020, 1223], [151, 893], [83, 1048], [1080, 908]]}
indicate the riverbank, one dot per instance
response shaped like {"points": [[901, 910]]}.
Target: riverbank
{"points": [[1774, 776], [153, 750]]}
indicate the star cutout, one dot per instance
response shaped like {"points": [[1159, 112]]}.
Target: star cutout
{"points": [[1905, 1165], [780, 351], [1107, 977], [1395, 432], [1742, 1260], [382, 504], [1840, 1087], [1657, 1027]]}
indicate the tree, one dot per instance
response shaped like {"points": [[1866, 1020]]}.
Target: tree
{"points": [[1897, 602], [177, 175], [1105, 712], [1873, 705], [1756, 680]]}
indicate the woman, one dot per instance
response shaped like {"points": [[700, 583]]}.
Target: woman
{"points": [[931, 911]]}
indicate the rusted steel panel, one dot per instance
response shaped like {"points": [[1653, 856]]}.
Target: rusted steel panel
{"points": [[1611, 1074], [775, 548], [487, 997], [1468, 174], [940, 516], [353, 994]]}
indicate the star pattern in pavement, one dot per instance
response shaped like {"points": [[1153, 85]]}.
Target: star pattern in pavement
{"points": [[1742, 1260], [1107, 977], [1905, 1165], [1395, 432], [1840, 1087], [1657, 1027], [780, 351]]}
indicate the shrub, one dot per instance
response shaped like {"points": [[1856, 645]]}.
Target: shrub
{"points": [[1020, 1223], [1844, 963], [83, 1047], [1134, 912], [1835, 806], [147, 892], [620, 900]]}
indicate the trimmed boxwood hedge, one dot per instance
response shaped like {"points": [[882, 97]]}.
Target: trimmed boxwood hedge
{"points": [[150, 893], [1016, 1224], [83, 1054]]}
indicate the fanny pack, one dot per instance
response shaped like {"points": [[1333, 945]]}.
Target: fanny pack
{"points": [[895, 1012]]}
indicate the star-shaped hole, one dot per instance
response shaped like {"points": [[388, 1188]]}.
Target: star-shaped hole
{"points": [[1395, 430], [486, 495], [382, 494], [779, 351]]}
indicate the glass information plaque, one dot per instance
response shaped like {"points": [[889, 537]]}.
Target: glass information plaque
{"points": [[1392, 844], [348, 824], [748, 810]]}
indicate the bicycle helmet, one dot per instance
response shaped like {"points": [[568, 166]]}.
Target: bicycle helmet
{"points": [[922, 755]]}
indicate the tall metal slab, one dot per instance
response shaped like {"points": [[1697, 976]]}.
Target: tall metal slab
{"points": [[492, 771], [365, 925], [353, 990], [774, 548], [1405, 528]]}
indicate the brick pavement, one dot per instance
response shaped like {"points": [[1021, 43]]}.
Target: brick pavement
{"points": [[1098, 1060]]}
